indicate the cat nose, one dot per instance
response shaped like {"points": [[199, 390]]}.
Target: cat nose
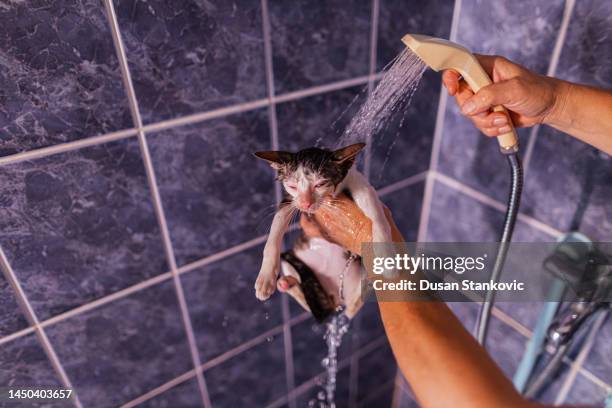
{"points": [[305, 204]]}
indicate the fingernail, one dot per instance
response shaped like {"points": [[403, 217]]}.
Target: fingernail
{"points": [[504, 129], [499, 121], [468, 107]]}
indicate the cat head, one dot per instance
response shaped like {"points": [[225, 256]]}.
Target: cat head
{"points": [[312, 174]]}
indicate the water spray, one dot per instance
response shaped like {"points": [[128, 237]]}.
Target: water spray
{"points": [[439, 55]]}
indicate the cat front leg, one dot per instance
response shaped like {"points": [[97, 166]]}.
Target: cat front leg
{"points": [[367, 200], [270, 265]]}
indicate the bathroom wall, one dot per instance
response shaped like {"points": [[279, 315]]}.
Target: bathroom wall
{"points": [[132, 213], [568, 184]]}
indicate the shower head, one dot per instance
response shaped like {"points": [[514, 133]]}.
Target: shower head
{"points": [[441, 54]]}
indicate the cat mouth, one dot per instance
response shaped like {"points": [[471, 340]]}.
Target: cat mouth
{"points": [[310, 210]]}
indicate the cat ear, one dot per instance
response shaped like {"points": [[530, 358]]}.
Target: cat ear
{"points": [[276, 159], [348, 152]]}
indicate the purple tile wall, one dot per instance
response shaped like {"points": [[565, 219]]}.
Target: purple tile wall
{"points": [[95, 254]]}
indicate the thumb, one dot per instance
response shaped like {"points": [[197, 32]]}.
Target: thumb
{"points": [[500, 93]]}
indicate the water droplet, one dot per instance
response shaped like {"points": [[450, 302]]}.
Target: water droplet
{"points": [[269, 339]]}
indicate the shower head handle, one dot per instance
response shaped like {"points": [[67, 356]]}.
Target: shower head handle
{"points": [[440, 54]]}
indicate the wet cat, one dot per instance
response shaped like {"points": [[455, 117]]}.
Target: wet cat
{"points": [[308, 177]]}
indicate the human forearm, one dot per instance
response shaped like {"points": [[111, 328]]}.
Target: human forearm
{"points": [[583, 112], [435, 353]]}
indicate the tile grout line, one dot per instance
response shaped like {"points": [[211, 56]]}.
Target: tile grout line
{"points": [[511, 322], [373, 60], [527, 333], [399, 185], [379, 391], [274, 142], [401, 386], [182, 121], [568, 11], [308, 384], [241, 348], [371, 79], [135, 288], [321, 89], [437, 138], [580, 359], [214, 362], [155, 195], [107, 299], [30, 315], [428, 190], [203, 367], [176, 381], [436, 144], [67, 147], [493, 203], [18, 334], [595, 379], [207, 115], [222, 254], [397, 389]]}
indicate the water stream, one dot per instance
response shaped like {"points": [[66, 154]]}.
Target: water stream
{"points": [[336, 328], [391, 96]]}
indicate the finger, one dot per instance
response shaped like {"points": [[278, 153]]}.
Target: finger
{"points": [[463, 93], [501, 93], [491, 132], [450, 79], [490, 120]]}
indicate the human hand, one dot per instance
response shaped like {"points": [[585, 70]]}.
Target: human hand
{"points": [[341, 221], [530, 98]]}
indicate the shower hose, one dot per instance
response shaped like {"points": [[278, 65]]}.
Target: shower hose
{"points": [[514, 199]]}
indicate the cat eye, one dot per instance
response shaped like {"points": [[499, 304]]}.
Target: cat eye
{"points": [[320, 184], [291, 186]]}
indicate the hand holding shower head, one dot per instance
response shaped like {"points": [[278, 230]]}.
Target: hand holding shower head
{"points": [[441, 54]]}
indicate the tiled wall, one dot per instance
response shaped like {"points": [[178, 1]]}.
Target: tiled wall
{"points": [[568, 184], [132, 213]]}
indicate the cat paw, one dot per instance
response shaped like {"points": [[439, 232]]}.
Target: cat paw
{"points": [[265, 285]]}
